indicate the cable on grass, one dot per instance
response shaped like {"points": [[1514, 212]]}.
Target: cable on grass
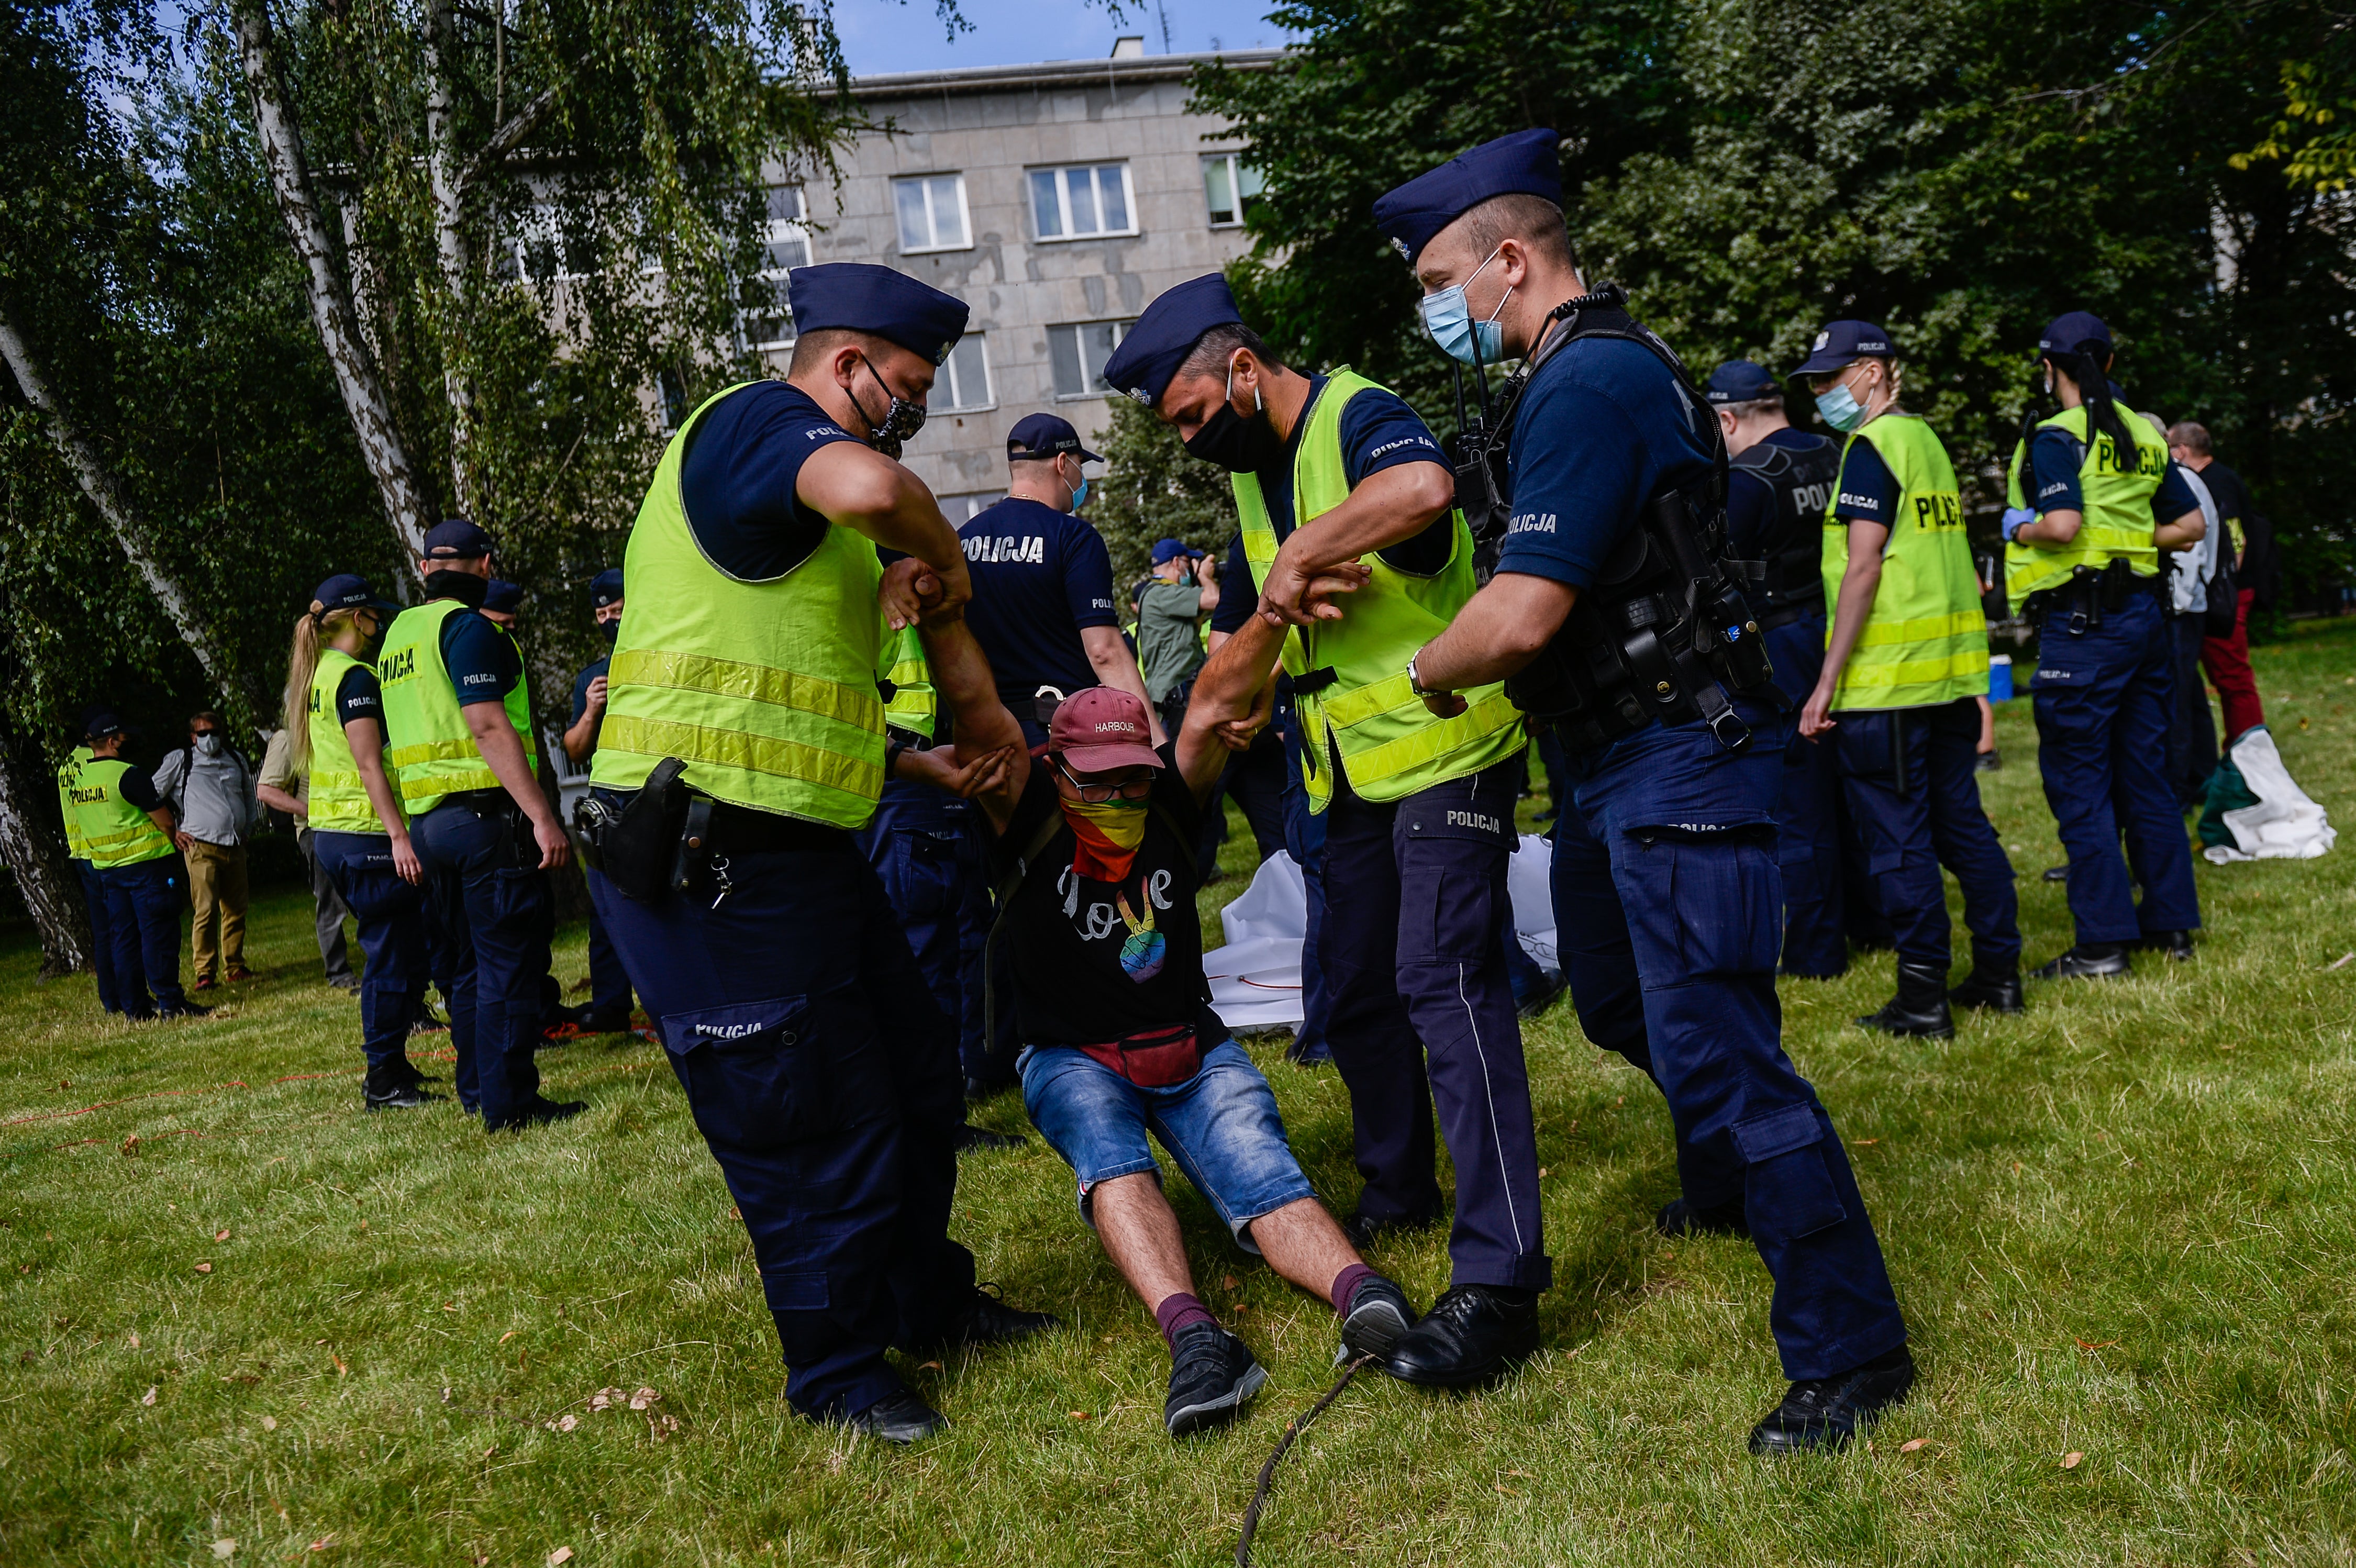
{"points": [[1268, 1471]]}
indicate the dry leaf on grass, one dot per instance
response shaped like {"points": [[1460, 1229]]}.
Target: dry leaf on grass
{"points": [[221, 1234], [2069, 1460], [135, 1341], [269, 1424], [324, 1543], [935, 1366], [2096, 1343], [661, 1427], [604, 1398], [509, 1335], [1912, 1444], [149, 1397], [643, 1398], [1079, 1415], [567, 1425], [559, 1557], [204, 1268], [340, 1368], [225, 1549]]}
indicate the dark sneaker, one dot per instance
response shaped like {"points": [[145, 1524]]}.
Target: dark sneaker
{"points": [[1542, 996], [1364, 1232], [2177, 945], [1379, 1312], [1990, 990], [900, 1418], [1212, 1376], [1467, 1337], [1679, 1219], [987, 1320], [1990, 762], [2055, 873], [1825, 1412], [2084, 963], [971, 1137], [400, 1096]]}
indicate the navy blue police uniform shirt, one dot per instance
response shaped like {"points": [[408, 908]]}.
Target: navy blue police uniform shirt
{"points": [[138, 787], [2056, 456], [358, 695], [596, 668], [1866, 490], [1040, 576], [737, 479], [483, 660], [1602, 428], [1751, 500]]}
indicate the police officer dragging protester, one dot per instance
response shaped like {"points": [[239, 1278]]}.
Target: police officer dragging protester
{"points": [[2092, 503], [127, 828], [458, 720], [1897, 700], [743, 748], [1778, 481], [1614, 614], [1418, 809], [93, 891], [609, 982], [335, 710]]}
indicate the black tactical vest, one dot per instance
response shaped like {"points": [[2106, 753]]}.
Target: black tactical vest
{"points": [[1802, 479]]}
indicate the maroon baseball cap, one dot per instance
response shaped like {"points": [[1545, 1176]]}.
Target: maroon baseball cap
{"points": [[1101, 729]]}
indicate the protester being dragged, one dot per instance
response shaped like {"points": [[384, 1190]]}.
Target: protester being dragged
{"points": [[127, 828], [93, 892], [609, 982], [335, 710], [1094, 849], [210, 786], [282, 788]]}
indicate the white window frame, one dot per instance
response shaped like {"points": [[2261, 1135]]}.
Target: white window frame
{"points": [[776, 229], [965, 215], [540, 221], [1236, 165], [1121, 328], [1063, 176], [948, 376]]}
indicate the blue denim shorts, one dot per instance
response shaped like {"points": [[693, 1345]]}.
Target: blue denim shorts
{"points": [[1221, 1127]]}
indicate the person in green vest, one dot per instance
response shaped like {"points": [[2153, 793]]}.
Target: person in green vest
{"points": [[335, 710], [2093, 501], [93, 892], [458, 722], [743, 748], [1905, 663], [127, 828], [1418, 807]]}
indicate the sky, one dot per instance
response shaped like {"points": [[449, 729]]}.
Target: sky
{"points": [[886, 36]]}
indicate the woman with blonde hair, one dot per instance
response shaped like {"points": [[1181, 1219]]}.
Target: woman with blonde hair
{"points": [[335, 713]]}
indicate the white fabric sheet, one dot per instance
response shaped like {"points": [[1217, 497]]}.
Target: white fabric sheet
{"points": [[2285, 824]]}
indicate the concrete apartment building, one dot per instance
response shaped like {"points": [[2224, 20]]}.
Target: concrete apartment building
{"points": [[1054, 198]]}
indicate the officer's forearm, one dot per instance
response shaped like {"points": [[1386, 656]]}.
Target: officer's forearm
{"points": [[1389, 507], [366, 738], [502, 750], [581, 738], [2184, 532], [1852, 608], [966, 689], [1497, 633], [2053, 530]]}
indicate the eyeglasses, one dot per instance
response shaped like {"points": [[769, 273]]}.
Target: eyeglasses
{"points": [[1098, 794]]}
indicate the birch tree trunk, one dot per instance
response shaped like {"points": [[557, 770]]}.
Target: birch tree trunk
{"points": [[99, 483], [331, 300], [451, 246], [44, 879]]}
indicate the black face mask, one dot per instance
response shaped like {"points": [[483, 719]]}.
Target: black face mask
{"points": [[463, 586], [609, 630], [901, 421], [1238, 445]]}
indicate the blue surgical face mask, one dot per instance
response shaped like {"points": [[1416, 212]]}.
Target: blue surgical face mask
{"points": [[1080, 494], [1448, 317], [1841, 411]]}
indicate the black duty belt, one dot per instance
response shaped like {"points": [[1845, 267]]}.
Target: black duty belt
{"points": [[739, 830], [2090, 592]]}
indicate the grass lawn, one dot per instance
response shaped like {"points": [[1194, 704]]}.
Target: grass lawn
{"points": [[235, 1309]]}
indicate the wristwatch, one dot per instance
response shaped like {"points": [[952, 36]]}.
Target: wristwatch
{"points": [[1415, 682]]}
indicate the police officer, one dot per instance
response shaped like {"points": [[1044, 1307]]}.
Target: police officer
{"points": [[1042, 605], [1665, 878], [2094, 503], [93, 891], [820, 1070], [1778, 481], [1904, 668], [127, 828], [336, 711], [609, 984], [1418, 809], [458, 721]]}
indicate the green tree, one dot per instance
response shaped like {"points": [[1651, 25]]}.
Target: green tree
{"points": [[1151, 490]]}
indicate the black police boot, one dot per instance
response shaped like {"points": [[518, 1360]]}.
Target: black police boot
{"points": [[1364, 1231], [1679, 1217], [1548, 991], [1995, 988], [401, 1095], [1825, 1412], [900, 1418], [2055, 873], [1379, 1313], [592, 1022], [1467, 1337], [1212, 1376], [2107, 961], [2177, 945], [970, 1137], [539, 1113], [1919, 1008], [182, 1009], [987, 1320]]}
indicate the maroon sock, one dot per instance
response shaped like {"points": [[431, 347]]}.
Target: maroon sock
{"points": [[1346, 1283], [1179, 1310]]}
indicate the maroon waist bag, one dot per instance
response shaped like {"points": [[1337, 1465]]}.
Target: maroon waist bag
{"points": [[1152, 1059]]}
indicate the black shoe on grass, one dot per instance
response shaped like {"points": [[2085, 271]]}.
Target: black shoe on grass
{"points": [[987, 1320], [1379, 1313], [1468, 1337], [899, 1418], [1213, 1375], [1679, 1219], [2082, 963], [1825, 1412]]}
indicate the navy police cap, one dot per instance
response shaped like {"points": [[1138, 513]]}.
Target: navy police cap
{"points": [[1168, 549], [1738, 381], [1151, 353], [605, 587], [1841, 344], [503, 597], [97, 724], [860, 297], [1044, 435], [1528, 163], [349, 591], [2063, 334], [456, 539]]}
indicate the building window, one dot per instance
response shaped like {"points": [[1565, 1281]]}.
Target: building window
{"points": [[932, 213], [1079, 352], [547, 250], [962, 509], [785, 245], [1082, 203], [1230, 186], [964, 379]]}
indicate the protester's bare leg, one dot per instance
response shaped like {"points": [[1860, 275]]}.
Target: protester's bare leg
{"points": [[1140, 1235], [1302, 1242]]}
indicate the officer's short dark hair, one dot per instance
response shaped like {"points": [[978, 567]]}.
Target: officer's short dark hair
{"points": [[812, 350], [1212, 349], [1772, 404], [1533, 219], [2193, 437]]}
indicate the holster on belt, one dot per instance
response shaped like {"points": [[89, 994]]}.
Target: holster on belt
{"points": [[639, 847]]}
